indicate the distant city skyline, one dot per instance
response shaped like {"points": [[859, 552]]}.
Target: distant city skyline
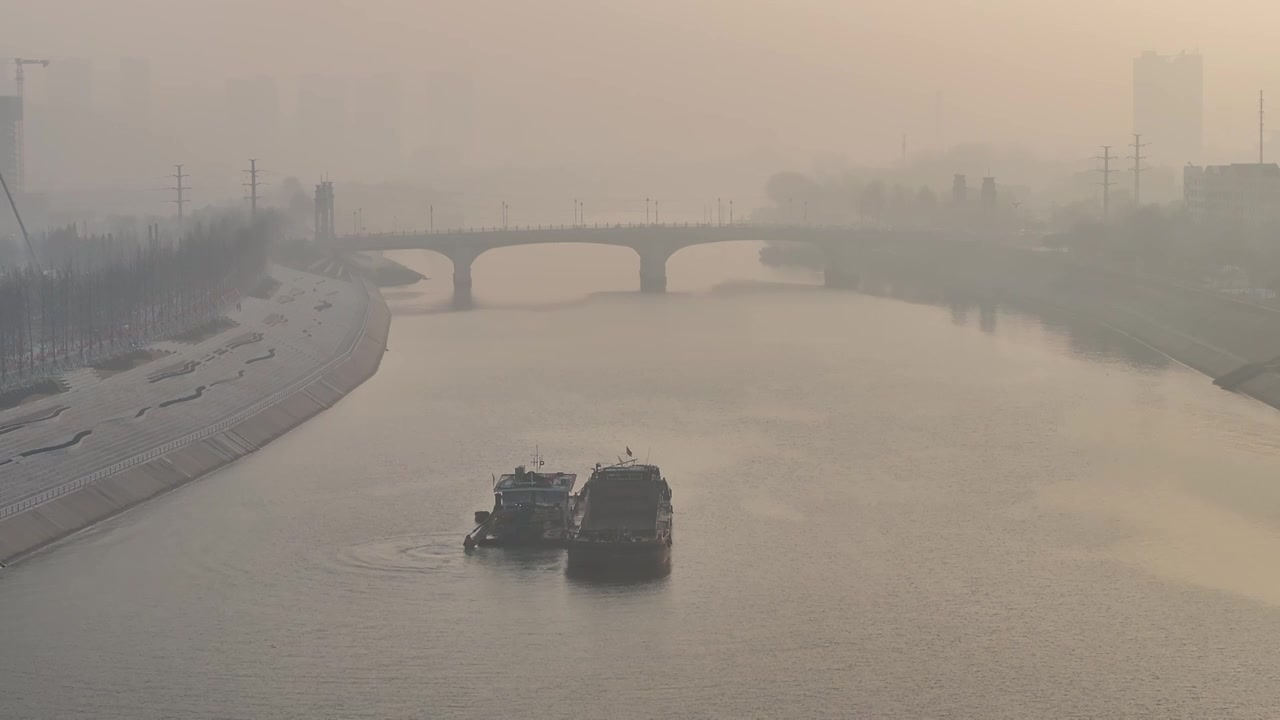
{"points": [[1168, 106]]}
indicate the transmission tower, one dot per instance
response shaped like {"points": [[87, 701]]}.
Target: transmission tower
{"points": [[253, 184], [1106, 183], [1137, 157], [181, 189]]}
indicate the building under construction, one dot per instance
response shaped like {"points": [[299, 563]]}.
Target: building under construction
{"points": [[10, 116]]}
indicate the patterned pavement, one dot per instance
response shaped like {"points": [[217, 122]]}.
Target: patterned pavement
{"points": [[98, 423]]}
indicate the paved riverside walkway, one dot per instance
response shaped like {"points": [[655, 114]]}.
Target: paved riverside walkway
{"points": [[100, 422]]}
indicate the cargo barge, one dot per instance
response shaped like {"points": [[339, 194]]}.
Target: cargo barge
{"points": [[622, 521]]}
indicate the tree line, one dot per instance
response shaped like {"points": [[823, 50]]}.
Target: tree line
{"points": [[100, 296]]}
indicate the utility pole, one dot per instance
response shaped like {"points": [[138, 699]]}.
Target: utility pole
{"points": [[431, 215], [656, 221], [719, 212], [1137, 157], [253, 188], [19, 135], [1260, 123], [181, 189], [1106, 183]]}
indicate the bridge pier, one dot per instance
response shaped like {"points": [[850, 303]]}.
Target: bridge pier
{"points": [[837, 266], [653, 269], [462, 262]]}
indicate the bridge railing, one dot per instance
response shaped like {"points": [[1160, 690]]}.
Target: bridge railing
{"points": [[484, 229]]}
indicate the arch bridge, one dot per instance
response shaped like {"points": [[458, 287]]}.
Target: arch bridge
{"points": [[654, 244]]}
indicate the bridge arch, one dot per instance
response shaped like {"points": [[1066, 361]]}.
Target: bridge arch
{"points": [[719, 260], [553, 265]]}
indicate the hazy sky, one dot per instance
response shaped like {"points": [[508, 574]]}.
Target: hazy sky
{"points": [[661, 80]]}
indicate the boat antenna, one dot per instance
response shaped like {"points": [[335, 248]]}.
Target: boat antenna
{"points": [[493, 481], [646, 454]]}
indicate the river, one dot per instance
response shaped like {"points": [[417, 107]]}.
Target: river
{"points": [[885, 509]]}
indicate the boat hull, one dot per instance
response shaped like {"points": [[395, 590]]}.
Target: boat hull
{"points": [[618, 557], [530, 540]]}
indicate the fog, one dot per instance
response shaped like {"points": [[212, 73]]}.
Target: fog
{"points": [[947, 332], [608, 101]]}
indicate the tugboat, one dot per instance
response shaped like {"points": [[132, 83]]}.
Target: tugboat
{"points": [[622, 520], [529, 509]]}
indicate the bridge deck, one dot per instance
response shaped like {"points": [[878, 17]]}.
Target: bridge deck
{"points": [[674, 234]]}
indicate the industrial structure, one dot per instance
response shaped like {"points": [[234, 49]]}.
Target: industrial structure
{"points": [[1244, 196], [325, 228]]}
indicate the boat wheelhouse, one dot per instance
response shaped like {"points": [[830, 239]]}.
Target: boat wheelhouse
{"points": [[529, 508]]}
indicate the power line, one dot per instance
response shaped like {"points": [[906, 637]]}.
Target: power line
{"points": [[1106, 183], [1137, 157], [34, 260]]}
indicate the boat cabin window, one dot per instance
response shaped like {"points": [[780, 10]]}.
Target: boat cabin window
{"points": [[525, 497]]}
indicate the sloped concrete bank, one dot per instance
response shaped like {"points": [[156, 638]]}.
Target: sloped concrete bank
{"points": [[1232, 341], [28, 531]]}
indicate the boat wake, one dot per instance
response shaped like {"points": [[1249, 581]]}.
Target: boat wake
{"points": [[407, 554]]}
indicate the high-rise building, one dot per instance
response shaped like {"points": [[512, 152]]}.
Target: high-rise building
{"points": [[71, 84], [321, 125], [10, 111], [253, 115], [1168, 106], [447, 121], [376, 121], [135, 91]]}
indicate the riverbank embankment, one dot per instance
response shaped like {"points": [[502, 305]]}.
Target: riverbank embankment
{"points": [[1235, 342], [114, 439]]}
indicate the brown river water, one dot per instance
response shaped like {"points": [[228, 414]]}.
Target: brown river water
{"points": [[884, 509]]}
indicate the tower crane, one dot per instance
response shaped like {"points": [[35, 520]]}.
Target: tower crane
{"points": [[19, 141]]}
